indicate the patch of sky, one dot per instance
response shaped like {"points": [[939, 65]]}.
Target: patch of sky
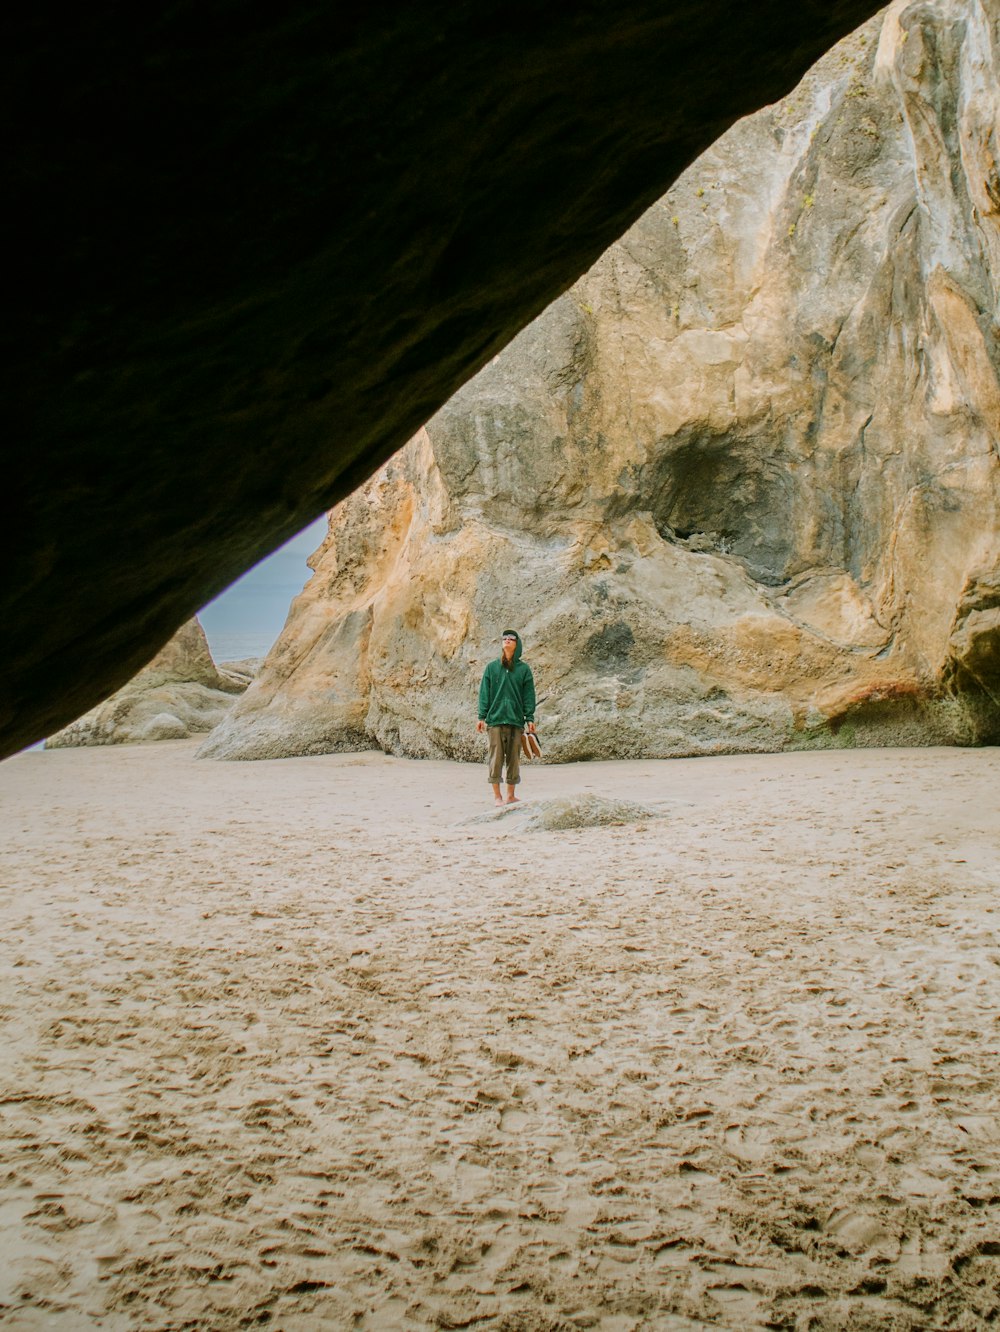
{"points": [[245, 620]]}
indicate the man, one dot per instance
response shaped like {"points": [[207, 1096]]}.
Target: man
{"points": [[506, 707]]}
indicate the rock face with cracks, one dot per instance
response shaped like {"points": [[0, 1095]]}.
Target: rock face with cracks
{"points": [[179, 694], [253, 248], [737, 488]]}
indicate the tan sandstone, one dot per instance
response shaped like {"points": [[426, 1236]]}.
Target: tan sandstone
{"points": [[179, 694], [738, 487]]}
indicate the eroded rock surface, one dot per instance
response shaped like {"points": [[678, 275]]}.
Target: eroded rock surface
{"points": [[737, 488], [179, 694]]}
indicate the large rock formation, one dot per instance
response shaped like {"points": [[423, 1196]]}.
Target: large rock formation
{"points": [[251, 248], [738, 488], [179, 694]]}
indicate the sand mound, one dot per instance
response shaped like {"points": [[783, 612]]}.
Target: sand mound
{"points": [[567, 812]]}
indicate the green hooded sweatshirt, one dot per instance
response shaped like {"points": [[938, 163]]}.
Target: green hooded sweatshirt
{"points": [[507, 697]]}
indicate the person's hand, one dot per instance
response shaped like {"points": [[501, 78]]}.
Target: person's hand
{"points": [[480, 726], [531, 728]]}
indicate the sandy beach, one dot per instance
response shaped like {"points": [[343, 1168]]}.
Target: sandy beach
{"points": [[296, 1044]]}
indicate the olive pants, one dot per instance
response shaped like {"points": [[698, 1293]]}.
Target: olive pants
{"points": [[505, 752]]}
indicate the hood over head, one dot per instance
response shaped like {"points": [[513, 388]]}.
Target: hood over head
{"points": [[518, 646]]}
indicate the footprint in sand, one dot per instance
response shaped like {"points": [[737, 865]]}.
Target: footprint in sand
{"points": [[748, 1143], [856, 1231], [740, 1306], [513, 1120]]}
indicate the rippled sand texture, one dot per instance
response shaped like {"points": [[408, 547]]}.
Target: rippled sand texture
{"points": [[293, 1043]]}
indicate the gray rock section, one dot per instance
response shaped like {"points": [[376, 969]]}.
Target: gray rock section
{"points": [[737, 488], [179, 694], [245, 670]]}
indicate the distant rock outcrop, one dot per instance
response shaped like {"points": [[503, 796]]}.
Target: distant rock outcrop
{"points": [[738, 488], [180, 693]]}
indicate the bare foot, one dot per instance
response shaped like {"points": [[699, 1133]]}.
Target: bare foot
{"points": [[499, 802], [513, 800]]}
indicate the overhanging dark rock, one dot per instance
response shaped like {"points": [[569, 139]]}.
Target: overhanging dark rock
{"points": [[252, 249]]}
